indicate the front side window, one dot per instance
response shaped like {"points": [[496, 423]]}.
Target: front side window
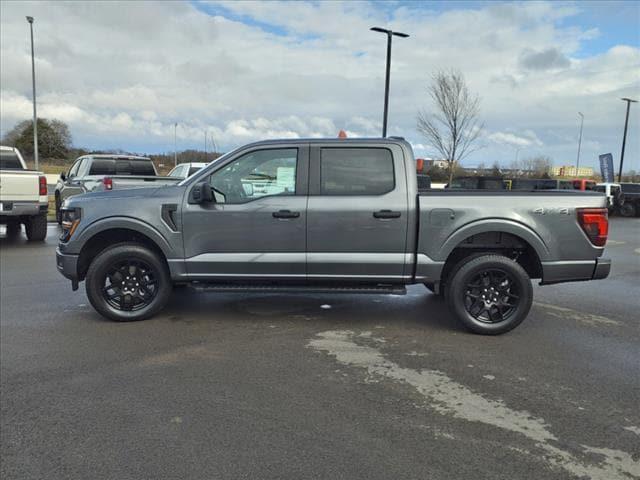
{"points": [[356, 171], [257, 174]]}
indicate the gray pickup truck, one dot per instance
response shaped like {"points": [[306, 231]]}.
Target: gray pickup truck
{"points": [[339, 215], [91, 173]]}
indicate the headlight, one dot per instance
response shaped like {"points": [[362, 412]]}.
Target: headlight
{"points": [[70, 220]]}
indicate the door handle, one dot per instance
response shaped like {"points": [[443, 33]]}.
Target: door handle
{"points": [[386, 214], [285, 214]]}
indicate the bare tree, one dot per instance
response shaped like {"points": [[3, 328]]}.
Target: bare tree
{"points": [[452, 126], [532, 167]]}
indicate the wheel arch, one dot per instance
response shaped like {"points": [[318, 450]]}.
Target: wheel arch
{"points": [[503, 237], [95, 240]]}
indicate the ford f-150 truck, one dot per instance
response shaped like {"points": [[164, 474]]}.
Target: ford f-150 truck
{"points": [[23, 196], [342, 215], [91, 173]]}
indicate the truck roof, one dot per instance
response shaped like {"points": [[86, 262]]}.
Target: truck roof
{"points": [[333, 141], [107, 155]]}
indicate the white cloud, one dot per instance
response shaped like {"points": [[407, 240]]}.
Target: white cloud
{"points": [[122, 73]]}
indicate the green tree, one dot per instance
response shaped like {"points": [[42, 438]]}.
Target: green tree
{"points": [[54, 138]]}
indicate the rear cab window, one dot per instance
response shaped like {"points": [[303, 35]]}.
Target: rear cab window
{"points": [[356, 171], [122, 166]]}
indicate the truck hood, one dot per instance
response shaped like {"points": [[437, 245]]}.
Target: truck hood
{"points": [[126, 194]]}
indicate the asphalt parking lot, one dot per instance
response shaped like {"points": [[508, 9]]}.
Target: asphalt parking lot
{"points": [[318, 386]]}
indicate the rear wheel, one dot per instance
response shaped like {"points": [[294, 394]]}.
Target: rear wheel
{"points": [[489, 294], [128, 282], [13, 228], [36, 228], [628, 210]]}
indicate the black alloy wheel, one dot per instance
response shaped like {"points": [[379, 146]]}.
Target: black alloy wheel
{"points": [[491, 296], [130, 285]]}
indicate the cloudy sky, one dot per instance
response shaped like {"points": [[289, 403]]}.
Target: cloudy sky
{"points": [[121, 74]]}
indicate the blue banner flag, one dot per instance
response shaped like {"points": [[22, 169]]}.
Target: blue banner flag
{"points": [[606, 167]]}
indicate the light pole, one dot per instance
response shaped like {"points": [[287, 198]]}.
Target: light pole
{"points": [[389, 34], [175, 148], [33, 83], [579, 142], [624, 135]]}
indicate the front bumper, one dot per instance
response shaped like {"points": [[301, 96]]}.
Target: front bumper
{"points": [[68, 266], [575, 271]]}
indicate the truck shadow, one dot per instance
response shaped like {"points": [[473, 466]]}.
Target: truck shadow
{"points": [[418, 308]]}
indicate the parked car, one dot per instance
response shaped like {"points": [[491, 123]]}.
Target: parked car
{"points": [[185, 170], [338, 215], [612, 192], [584, 184], [91, 173], [629, 203], [477, 183], [23, 196], [540, 184]]}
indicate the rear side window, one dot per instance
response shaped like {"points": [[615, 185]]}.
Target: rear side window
{"points": [[193, 170], [9, 160], [100, 166], [356, 171], [631, 188]]}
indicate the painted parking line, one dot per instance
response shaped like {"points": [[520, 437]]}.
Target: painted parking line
{"points": [[450, 398], [582, 317]]}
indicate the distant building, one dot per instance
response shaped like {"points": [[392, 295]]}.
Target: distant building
{"points": [[570, 171]]}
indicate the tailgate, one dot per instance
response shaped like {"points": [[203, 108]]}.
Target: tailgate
{"points": [[19, 186], [130, 181]]}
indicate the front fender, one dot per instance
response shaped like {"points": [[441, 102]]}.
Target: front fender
{"points": [[122, 222]]}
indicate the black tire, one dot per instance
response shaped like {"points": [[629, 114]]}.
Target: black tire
{"points": [[13, 228], [36, 228], [58, 207], [105, 279], [495, 288], [628, 210]]}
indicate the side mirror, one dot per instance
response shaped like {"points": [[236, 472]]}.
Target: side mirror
{"points": [[202, 193], [63, 176]]}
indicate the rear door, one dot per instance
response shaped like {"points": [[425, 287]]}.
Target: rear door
{"points": [[357, 215], [256, 227]]}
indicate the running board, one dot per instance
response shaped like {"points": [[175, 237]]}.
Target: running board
{"points": [[384, 289]]}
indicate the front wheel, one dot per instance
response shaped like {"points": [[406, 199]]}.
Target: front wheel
{"points": [[489, 294], [128, 282], [628, 210]]}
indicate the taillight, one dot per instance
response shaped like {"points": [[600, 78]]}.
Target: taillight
{"points": [[595, 223], [108, 183], [43, 185]]}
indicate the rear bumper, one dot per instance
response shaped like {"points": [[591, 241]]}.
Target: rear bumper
{"points": [[23, 209], [575, 271], [67, 265]]}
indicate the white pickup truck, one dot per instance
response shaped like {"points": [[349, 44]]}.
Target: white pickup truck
{"points": [[23, 196]]}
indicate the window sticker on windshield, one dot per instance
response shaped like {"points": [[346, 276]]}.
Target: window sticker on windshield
{"points": [[286, 177]]}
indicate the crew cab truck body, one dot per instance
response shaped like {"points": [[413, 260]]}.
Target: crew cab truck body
{"points": [[23, 196], [91, 173], [338, 215]]}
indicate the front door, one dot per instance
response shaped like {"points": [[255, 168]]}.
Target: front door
{"points": [[357, 214], [255, 229]]}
